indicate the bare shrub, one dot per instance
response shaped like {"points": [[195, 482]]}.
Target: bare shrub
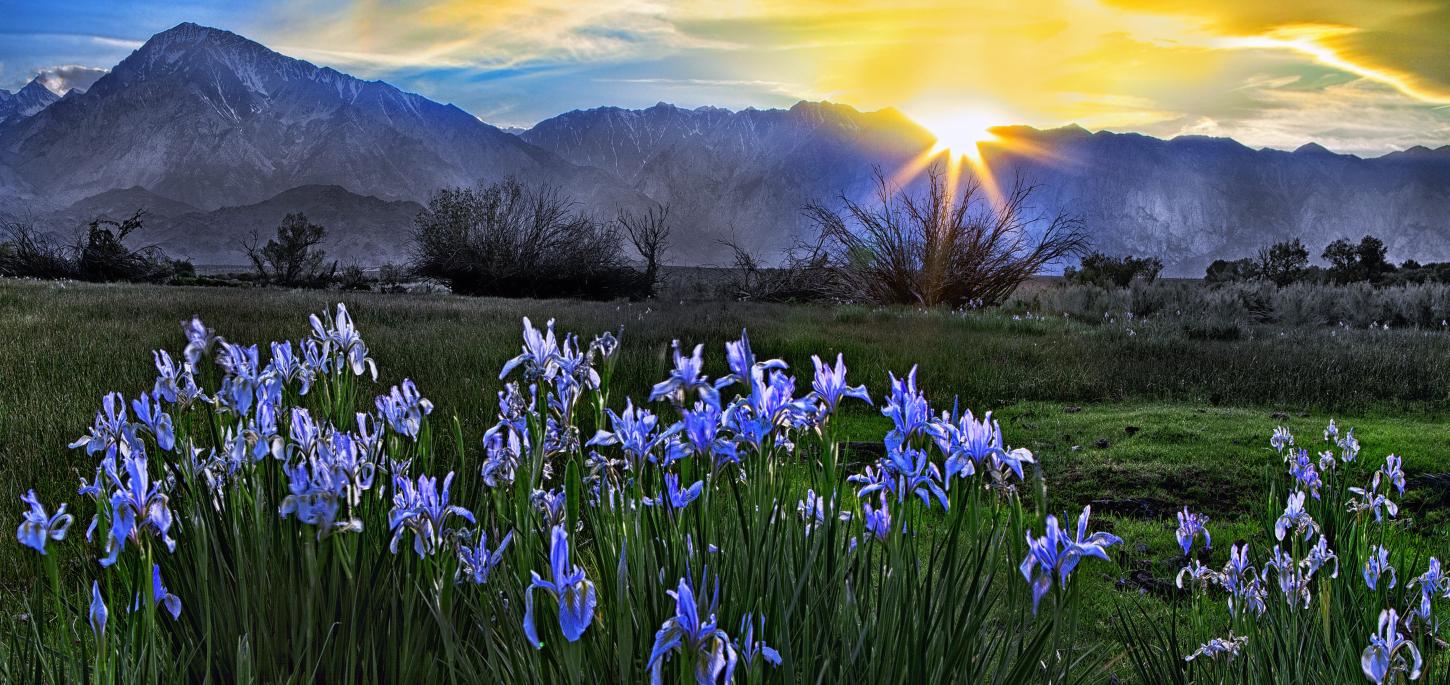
{"points": [[953, 246], [98, 254], [512, 240]]}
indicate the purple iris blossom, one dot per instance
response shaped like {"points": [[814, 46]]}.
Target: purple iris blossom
{"points": [[1385, 657], [1281, 439], [369, 437], [1331, 432], [37, 526], [1432, 582], [575, 363], [552, 506], [877, 520], [1241, 582], [907, 408], [149, 414], [199, 340], [424, 509], [175, 383], [675, 497], [1319, 556], [404, 408], [503, 447], [239, 386], [111, 432], [1327, 462], [304, 432], [1199, 575], [1190, 526], [743, 366], [162, 596], [136, 506], [1303, 471], [1220, 646], [539, 353], [967, 442], [1293, 579], [686, 377], [701, 430], [634, 431], [1394, 473], [811, 510], [713, 652], [287, 367], [568, 586], [1295, 517], [315, 356], [476, 562], [830, 384], [1376, 566], [751, 648], [316, 493], [1371, 499], [905, 472], [1057, 553], [774, 402], [98, 613], [1348, 446], [340, 337]]}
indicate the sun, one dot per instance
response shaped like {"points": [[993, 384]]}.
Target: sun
{"points": [[961, 132]]}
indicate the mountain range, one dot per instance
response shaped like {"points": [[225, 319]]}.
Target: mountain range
{"points": [[219, 137]]}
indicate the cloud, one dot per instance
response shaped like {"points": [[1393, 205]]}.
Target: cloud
{"points": [[60, 79]]}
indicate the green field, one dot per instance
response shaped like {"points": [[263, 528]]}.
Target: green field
{"points": [[1139, 422]]}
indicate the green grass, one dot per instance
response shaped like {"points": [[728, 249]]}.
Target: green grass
{"points": [[1140, 422]]}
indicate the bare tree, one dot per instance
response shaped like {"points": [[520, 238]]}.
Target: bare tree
{"points": [[99, 253], [954, 246], [293, 256], [649, 233]]}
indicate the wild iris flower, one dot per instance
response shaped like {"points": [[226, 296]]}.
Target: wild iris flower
{"points": [[907, 408], [1303, 471], [539, 353], [1371, 499], [37, 526], [1384, 658], [98, 613], [1319, 556], [476, 562], [404, 408], [111, 432], [1281, 438], [1295, 517], [175, 383], [904, 472], [1293, 580], [811, 510], [339, 337], [149, 414], [287, 367], [424, 509], [199, 340], [1393, 472], [567, 585], [315, 496], [967, 442], [1242, 583], [1057, 553], [1190, 525], [687, 376], [741, 360], [1433, 581], [750, 648], [830, 384], [162, 596], [877, 521], [701, 430], [675, 497], [1219, 646], [136, 505], [634, 431], [503, 447], [710, 648], [1377, 565]]}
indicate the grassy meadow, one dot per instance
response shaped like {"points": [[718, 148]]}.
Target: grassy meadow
{"points": [[1134, 417]]}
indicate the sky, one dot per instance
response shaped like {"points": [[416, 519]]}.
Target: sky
{"points": [[1357, 76]]}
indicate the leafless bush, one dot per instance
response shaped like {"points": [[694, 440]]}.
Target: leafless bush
{"points": [[515, 241], [99, 253], [954, 246], [805, 275]]}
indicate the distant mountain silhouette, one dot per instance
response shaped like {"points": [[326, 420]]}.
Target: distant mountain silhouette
{"points": [[219, 136]]}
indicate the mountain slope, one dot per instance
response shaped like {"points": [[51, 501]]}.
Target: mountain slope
{"points": [[1188, 200], [27, 102], [209, 118]]}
